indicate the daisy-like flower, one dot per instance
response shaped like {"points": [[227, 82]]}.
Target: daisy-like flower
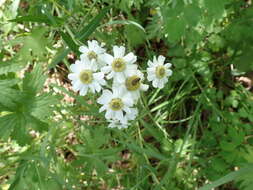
{"points": [[119, 64], [132, 84], [93, 51], [117, 105], [85, 77], [158, 72]]}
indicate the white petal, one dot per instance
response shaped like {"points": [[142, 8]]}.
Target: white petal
{"points": [[106, 69], [132, 115], [168, 72], [165, 80], [83, 49], [105, 97], [73, 76], [103, 108], [119, 115], [118, 51], [77, 67], [167, 65], [151, 64], [128, 101], [130, 58], [126, 109], [97, 86], [107, 58], [160, 84], [161, 59], [98, 76], [151, 70], [120, 77], [151, 77], [92, 88], [131, 67], [109, 114], [102, 82], [110, 75], [91, 45], [155, 83], [144, 87], [84, 90], [77, 85]]}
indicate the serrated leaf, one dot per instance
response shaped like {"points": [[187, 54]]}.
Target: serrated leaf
{"points": [[34, 81], [34, 44], [8, 95], [11, 66], [41, 106]]}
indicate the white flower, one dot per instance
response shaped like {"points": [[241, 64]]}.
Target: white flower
{"points": [[116, 124], [119, 64], [85, 77], [117, 105], [132, 84], [93, 51], [158, 72]]}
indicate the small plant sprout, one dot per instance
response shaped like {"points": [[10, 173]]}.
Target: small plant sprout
{"points": [[85, 77], [120, 64], [93, 51], [118, 105], [158, 72], [133, 84]]}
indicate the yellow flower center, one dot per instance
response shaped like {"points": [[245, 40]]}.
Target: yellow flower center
{"points": [[86, 76], [92, 55], [118, 65], [116, 104], [133, 83], [160, 71]]}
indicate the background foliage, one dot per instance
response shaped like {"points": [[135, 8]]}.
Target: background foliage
{"points": [[196, 130]]}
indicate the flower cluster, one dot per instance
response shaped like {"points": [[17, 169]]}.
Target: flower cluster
{"points": [[95, 65]]}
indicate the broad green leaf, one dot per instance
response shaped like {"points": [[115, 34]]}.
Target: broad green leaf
{"points": [[34, 44], [175, 29], [215, 8]]}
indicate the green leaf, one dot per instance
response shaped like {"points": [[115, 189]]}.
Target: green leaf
{"points": [[135, 35], [175, 28], [70, 42], [11, 66], [34, 81], [34, 44], [192, 14], [215, 8], [39, 19], [230, 177], [87, 30], [8, 95], [63, 52]]}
